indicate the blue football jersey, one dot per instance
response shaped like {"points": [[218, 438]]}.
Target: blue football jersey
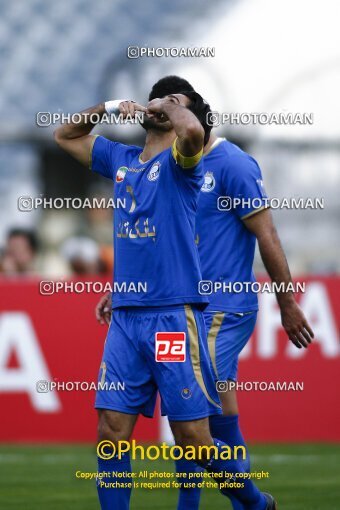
{"points": [[232, 190], [156, 258]]}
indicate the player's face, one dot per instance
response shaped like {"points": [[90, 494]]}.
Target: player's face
{"points": [[156, 121], [180, 99]]}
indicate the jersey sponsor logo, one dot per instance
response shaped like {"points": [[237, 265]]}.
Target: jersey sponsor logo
{"points": [[209, 182], [130, 231], [170, 347], [154, 171], [121, 174]]}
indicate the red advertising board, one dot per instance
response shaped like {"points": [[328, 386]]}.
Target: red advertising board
{"points": [[287, 394], [308, 414], [50, 338]]}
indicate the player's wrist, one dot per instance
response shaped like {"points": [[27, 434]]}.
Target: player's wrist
{"points": [[112, 107], [285, 299]]}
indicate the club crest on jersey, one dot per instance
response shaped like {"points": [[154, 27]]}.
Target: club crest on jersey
{"points": [[121, 172], [154, 171], [209, 182]]}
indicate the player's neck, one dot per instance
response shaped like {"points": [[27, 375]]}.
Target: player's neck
{"points": [[156, 142]]}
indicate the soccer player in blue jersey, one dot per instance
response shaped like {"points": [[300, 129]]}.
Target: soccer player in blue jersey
{"points": [[154, 242], [226, 241]]}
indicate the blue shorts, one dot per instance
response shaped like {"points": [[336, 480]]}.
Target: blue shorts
{"points": [[227, 334], [137, 362]]}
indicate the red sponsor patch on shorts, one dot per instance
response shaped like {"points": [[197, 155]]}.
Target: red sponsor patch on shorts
{"points": [[170, 346]]}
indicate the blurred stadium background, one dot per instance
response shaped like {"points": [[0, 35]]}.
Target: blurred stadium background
{"points": [[64, 56]]}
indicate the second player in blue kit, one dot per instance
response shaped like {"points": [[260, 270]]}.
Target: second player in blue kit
{"points": [[226, 251], [232, 215]]}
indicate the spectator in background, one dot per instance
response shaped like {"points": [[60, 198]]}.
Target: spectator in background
{"points": [[20, 253], [99, 223], [99, 219], [83, 255]]}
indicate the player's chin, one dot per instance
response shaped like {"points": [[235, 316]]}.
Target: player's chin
{"points": [[156, 124]]}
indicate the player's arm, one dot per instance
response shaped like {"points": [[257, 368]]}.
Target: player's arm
{"points": [[75, 138], [189, 131], [293, 320]]}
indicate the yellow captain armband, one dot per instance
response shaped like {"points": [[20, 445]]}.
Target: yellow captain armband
{"points": [[185, 161]]}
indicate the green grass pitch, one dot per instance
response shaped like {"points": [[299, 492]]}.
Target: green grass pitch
{"points": [[302, 477]]}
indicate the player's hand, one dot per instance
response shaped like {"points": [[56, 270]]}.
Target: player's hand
{"points": [[103, 309], [155, 108], [129, 108], [295, 324]]}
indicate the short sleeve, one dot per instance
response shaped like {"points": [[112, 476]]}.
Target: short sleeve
{"points": [[103, 156], [245, 186]]}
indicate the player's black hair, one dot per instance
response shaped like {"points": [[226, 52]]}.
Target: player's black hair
{"points": [[28, 234], [201, 109], [169, 85]]}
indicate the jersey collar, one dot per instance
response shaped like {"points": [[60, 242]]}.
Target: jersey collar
{"points": [[214, 145]]}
